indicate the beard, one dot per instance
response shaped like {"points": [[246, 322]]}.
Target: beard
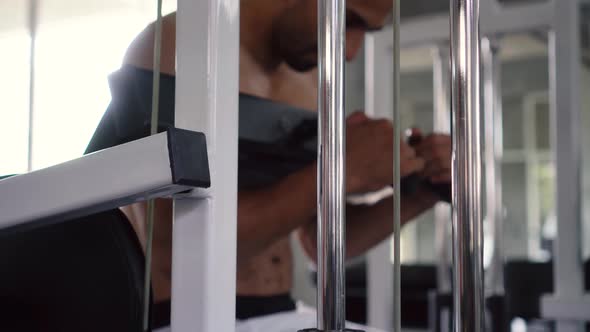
{"points": [[302, 64], [296, 51]]}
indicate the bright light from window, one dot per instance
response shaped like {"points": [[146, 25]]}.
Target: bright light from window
{"points": [[75, 55], [14, 101], [74, 59]]}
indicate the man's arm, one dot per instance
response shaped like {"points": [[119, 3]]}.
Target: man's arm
{"points": [[368, 225]]}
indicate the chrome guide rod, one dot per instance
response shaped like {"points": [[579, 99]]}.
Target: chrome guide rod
{"points": [[468, 296], [442, 124], [493, 161], [331, 170], [151, 204], [397, 134]]}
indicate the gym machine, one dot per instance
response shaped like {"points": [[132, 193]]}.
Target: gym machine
{"points": [[204, 253], [554, 18], [468, 301]]}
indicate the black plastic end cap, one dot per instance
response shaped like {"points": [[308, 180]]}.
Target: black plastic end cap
{"points": [[188, 158]]}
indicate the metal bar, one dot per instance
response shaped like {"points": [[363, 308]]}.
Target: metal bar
{"points": [[397, 134], [467, 222], [532, 159], [517, 17], [566, 142], [378, 81], [570, 313], [432, 29], [33, 23], [565, 112], [442, 124], [204, 233], [331, 170], [493, 161], [95, 182]]}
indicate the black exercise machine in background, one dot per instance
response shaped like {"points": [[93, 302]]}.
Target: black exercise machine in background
{"points": [[424, 308]]}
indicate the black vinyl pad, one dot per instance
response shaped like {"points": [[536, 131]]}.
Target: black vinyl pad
{"points": [[274, 138]]}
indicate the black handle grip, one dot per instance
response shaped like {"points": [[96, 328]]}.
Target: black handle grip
{"points": [[410, 184]]}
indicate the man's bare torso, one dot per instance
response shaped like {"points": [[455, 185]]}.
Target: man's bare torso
{"points": [[270, 271]]}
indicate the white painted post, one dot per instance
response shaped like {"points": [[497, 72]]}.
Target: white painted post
{"points": [[204, 237], [442, 124], [378, 101], [567, 305]]}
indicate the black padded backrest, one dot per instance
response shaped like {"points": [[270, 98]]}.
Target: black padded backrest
{"points": [[81, 275], [526, 282]]}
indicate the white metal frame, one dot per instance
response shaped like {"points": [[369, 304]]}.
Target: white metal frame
{"points": [[378, 101], [560, 18], [441, 124], [494, 148], [568, 305], [204, 235], [533, 158], [97, 182], [496, 19]]}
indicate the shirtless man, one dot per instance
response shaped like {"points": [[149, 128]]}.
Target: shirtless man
{"points": [[278, 55]]}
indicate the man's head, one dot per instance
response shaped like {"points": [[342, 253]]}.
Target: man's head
{"points": [[294, 35]]}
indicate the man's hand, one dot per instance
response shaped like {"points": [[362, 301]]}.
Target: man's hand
{"points": [[435, 149], [369, 154]]}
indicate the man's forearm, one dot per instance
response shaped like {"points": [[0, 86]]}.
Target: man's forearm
{"points": [[369, 225], [266, 215]]}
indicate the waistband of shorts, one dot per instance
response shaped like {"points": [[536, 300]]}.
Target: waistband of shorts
{"points": [[255, 306], [247, 307]]}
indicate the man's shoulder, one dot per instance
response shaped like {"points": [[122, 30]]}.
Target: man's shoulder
{"points": [[141, 51]]}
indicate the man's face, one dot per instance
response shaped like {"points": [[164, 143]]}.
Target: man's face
{"points": [[295, 30]]}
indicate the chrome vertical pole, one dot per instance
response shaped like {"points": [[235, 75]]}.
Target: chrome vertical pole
{"points": [[396, 170], [442, 124], [493, 161], [331, 168], [468, 296]]}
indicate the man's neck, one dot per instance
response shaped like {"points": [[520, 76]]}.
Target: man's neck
{"points": [[256, 28], [263, 72]]}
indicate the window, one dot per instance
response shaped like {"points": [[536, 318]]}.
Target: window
{"points": [[78, 44], [14, 87]]}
